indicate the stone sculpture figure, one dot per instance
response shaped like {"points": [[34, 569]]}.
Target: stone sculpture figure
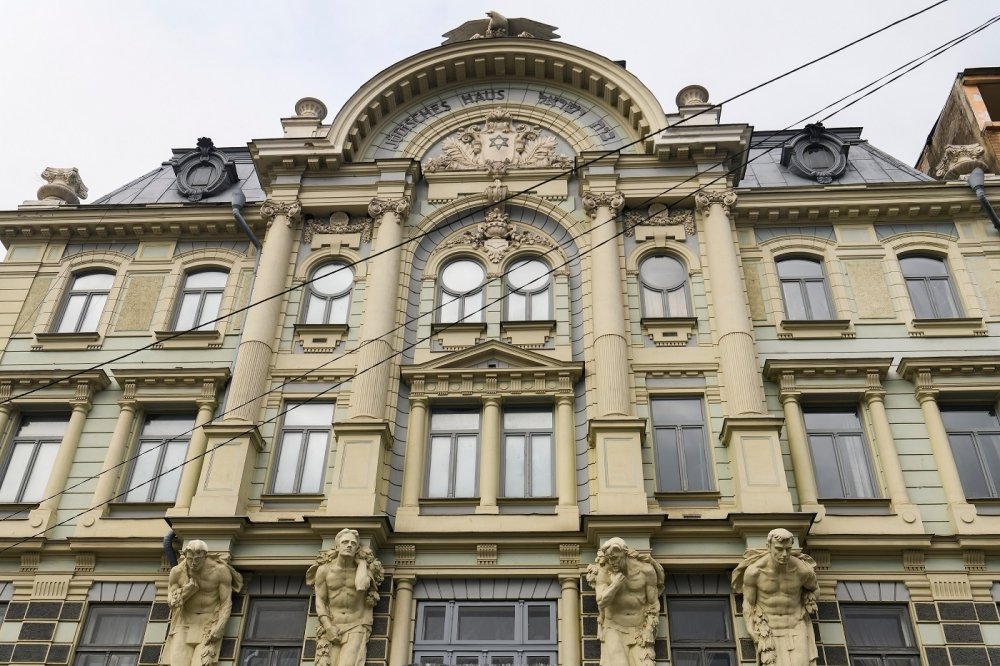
{"points": [[199, 593], [346, 578], [779, 590], [629, 585]]}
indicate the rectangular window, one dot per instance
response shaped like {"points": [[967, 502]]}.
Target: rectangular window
{"points": [[701, 632], [112, 635], [273, 633], [527, 453], [159, 458], [302, 448], [519, 633], [30, 456], [879, 635], [679, 435], [453, 453], [974, 435], [840, 453]]}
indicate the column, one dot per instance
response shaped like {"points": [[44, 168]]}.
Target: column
{"points": [[253, 358], [565, 445], [569, 625], [886, 445], [489, 463], [370, 386], [67, 448], [195, 453], [5, 410], [951, 482], [608, 304], [116, 450], [402, 618], [798, 446], [737, 357], [413, 464]]}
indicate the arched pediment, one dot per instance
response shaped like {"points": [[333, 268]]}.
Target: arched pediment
{"points": [[585, 101]]}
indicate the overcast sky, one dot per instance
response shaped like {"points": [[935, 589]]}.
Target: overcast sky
{"points": [[111, 86]]}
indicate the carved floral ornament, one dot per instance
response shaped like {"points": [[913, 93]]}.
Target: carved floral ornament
{"points": [[498, 145], [497, 237], [379, 207], [724, 198], [959, 160], [339, 223], [595, 200], [658, 215], [290, 209]]}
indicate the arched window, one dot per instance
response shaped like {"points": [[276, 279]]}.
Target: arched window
{"points": [[929, 285], [664, 287], [200, 300], [84, 303], [328, 299], [803, 289], [529, 296], [460, 288]]}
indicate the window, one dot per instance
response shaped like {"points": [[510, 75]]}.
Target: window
{"points": [[681, 454], [301, 456], [200, 300], [929, 286], [879, 635], [453, 458], [520, 633], [974, 435], [112, 636], [461, 292], [664, 287], [701, 632], [803, 289], [527, 453], [160, 455], [273, 632], [82, 308], [839, 452], [328, 299], [30, 457], [528, 292]]}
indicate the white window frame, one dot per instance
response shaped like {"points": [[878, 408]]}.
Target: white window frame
{"points": [[837, 437], [35, 443], [160, 452], [306, 430], [801, 284], [89, 296], [111, 651], [661, 458], [453, 452], [200, 322], [530, 435], [663, 293]]}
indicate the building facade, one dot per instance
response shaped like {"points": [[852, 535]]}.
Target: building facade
{"points": [[503, 307]]}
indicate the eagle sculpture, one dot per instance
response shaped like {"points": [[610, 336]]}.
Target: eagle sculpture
{"points": [[498, 25]]}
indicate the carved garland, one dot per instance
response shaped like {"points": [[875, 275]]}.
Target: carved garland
{"points": [[497, 237], [664, 218], [344, 225]]}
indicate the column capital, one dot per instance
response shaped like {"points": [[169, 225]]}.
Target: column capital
{"points": [[925, 393], [492, 400], [379, 207], [291, 210], [594, 200], [725, 198], [569, 581], [206, 402], [404, 581], [565, 399], [874, 395], [789, 395]]}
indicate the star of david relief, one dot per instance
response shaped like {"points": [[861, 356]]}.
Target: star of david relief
{"points": [[498, 237], [497, 146]]}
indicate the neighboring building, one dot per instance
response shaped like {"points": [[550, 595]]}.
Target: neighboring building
{"points": [[698, 336], [967, 133]]}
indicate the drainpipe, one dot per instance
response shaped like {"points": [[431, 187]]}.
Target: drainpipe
{"points": [[976, 179], [168, 548]]}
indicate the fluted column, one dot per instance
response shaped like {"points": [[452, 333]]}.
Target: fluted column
{"points": [[737, 358], [886, 445], [951, 482], [413, 464], [565, 441], [489, 464], [253, 358], [608, 304], [116, 450], [798, 447], [67, 449], [195, 453], [370, 387], [569, 626], [399, 647]]}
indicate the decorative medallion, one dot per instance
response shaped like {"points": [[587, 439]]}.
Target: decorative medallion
{"points": [[959, 160], [339, 223], [498, 237], [204, 171], [658, 216], [497, 146], [816, 153]]}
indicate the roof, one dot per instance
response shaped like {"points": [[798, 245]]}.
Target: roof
{"points": [[160, 185], [866, 164]]}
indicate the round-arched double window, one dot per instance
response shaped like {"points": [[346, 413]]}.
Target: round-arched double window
{"points": [[329, 297], [529, 297], [664, 287], [460, 288]]}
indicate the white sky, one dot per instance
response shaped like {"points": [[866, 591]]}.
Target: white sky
{"points": [[110, 86]]}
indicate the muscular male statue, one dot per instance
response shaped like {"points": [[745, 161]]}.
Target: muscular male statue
{"points": [[629, 586], [346, 579], [779, 592], [199, 593]]}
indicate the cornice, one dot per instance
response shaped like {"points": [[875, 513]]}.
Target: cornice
{"points": [[824, 368], [949, 366]]}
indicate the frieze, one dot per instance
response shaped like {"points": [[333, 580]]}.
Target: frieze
{"points": [[658, 216], [340, 223], [497, 236]]}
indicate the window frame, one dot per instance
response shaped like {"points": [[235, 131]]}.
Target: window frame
{"points": [[834, 408], [925, 281], [529, 434], [328, 300], [306, 430], [679, 429], [453, 451], [161, 453], [528, 295], [477, 317], [202, 293], [88, 294], [110, 650], [883, 653], [803, 292], [990, 477], [271, 645], [699, 645], [11, 443], [664, 292]]}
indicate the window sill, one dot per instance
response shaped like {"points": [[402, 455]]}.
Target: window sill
{"points": [[815, 328], [528, 334], [947, 327], [138, 509], [861, 506], [281, 502], [320, 338], [669, 331], [187, 339], [67, 341], [700, 498], [17, 510], [455, 336], [986, 506]]}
